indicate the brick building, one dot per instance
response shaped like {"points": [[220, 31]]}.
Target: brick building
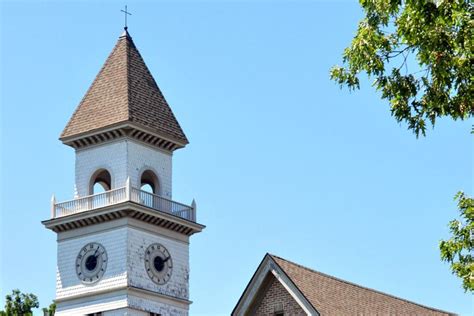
{"points": [[283, 288]]}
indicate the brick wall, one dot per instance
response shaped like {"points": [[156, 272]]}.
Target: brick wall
{"points": [[275, 298]]}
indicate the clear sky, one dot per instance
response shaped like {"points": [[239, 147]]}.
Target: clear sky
{"points": [[280, 159]]}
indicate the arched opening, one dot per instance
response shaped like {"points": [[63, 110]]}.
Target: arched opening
{"points": [[149, 182], [100, 182]]}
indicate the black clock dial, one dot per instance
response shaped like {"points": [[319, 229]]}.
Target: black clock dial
{"points": [[158, 263], [91, 263]]}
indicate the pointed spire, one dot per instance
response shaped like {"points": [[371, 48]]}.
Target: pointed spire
{"points": [[124, 93]]}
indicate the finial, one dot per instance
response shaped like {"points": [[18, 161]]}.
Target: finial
{"points": [[53, 206], [193, 213], [126, 13]]}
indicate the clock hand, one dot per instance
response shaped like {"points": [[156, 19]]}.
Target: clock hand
{"points": [[167, 259]]}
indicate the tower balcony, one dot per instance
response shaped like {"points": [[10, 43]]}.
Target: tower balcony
{"points": [[122, 195]]}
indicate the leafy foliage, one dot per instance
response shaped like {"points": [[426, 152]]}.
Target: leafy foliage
{"points": [[435, 39], [19, 304], [458, 249], [51, 310]]}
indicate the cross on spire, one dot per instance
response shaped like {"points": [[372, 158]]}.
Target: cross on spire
{"points": [[126, 13]]}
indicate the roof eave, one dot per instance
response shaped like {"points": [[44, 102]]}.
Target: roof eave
{"points": [[69, 139], [268, 265]]}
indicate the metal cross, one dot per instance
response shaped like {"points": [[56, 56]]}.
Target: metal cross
{"points": [[126, 13]]}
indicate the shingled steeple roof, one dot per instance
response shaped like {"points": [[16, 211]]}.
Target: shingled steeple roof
{"points": [[124, 93]]}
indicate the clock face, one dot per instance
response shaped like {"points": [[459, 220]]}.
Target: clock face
{"points": [[158, 263], [91, 263]]}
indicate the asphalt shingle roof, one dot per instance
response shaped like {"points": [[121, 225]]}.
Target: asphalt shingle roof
{"points": [[333, 296], [124, 91]]}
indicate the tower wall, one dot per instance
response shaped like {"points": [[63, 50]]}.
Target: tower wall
{"points": [[122, 159], [123, 130], [142, 157], [125, 241], [154, 306], [110, 156], [178, 285], [115, 243], [112, 305]]}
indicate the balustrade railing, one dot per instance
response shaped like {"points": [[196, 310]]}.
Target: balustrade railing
{"points": [[162, 204], [120, 195], [90, 202]]}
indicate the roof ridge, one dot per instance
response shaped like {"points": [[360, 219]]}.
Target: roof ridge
{"points": [[88, 90], [355, 284], [129, 41]]}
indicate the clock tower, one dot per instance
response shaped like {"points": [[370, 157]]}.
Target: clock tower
{"points": [[123, 242]]}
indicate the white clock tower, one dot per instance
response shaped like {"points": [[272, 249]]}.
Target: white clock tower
{"points": [[123, 243]]}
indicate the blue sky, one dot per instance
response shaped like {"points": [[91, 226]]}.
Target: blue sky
{"points": [[280, 159]]}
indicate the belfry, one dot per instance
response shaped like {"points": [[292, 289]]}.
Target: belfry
{"points": [[123, 243]]}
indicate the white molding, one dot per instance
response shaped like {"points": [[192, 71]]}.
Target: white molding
{"points": [[124, 206], [119, 223], [267, 266], [294, 291], [121, 125], [123, 291]]}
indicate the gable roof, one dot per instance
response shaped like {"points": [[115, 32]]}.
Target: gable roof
{"points": [[124, 91], [329, 295]]}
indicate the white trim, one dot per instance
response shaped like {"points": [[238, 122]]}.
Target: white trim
{"points": [[69, 139], [124, 206], [267, 266], [120, 223], [293, 291], [122, 291]]}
